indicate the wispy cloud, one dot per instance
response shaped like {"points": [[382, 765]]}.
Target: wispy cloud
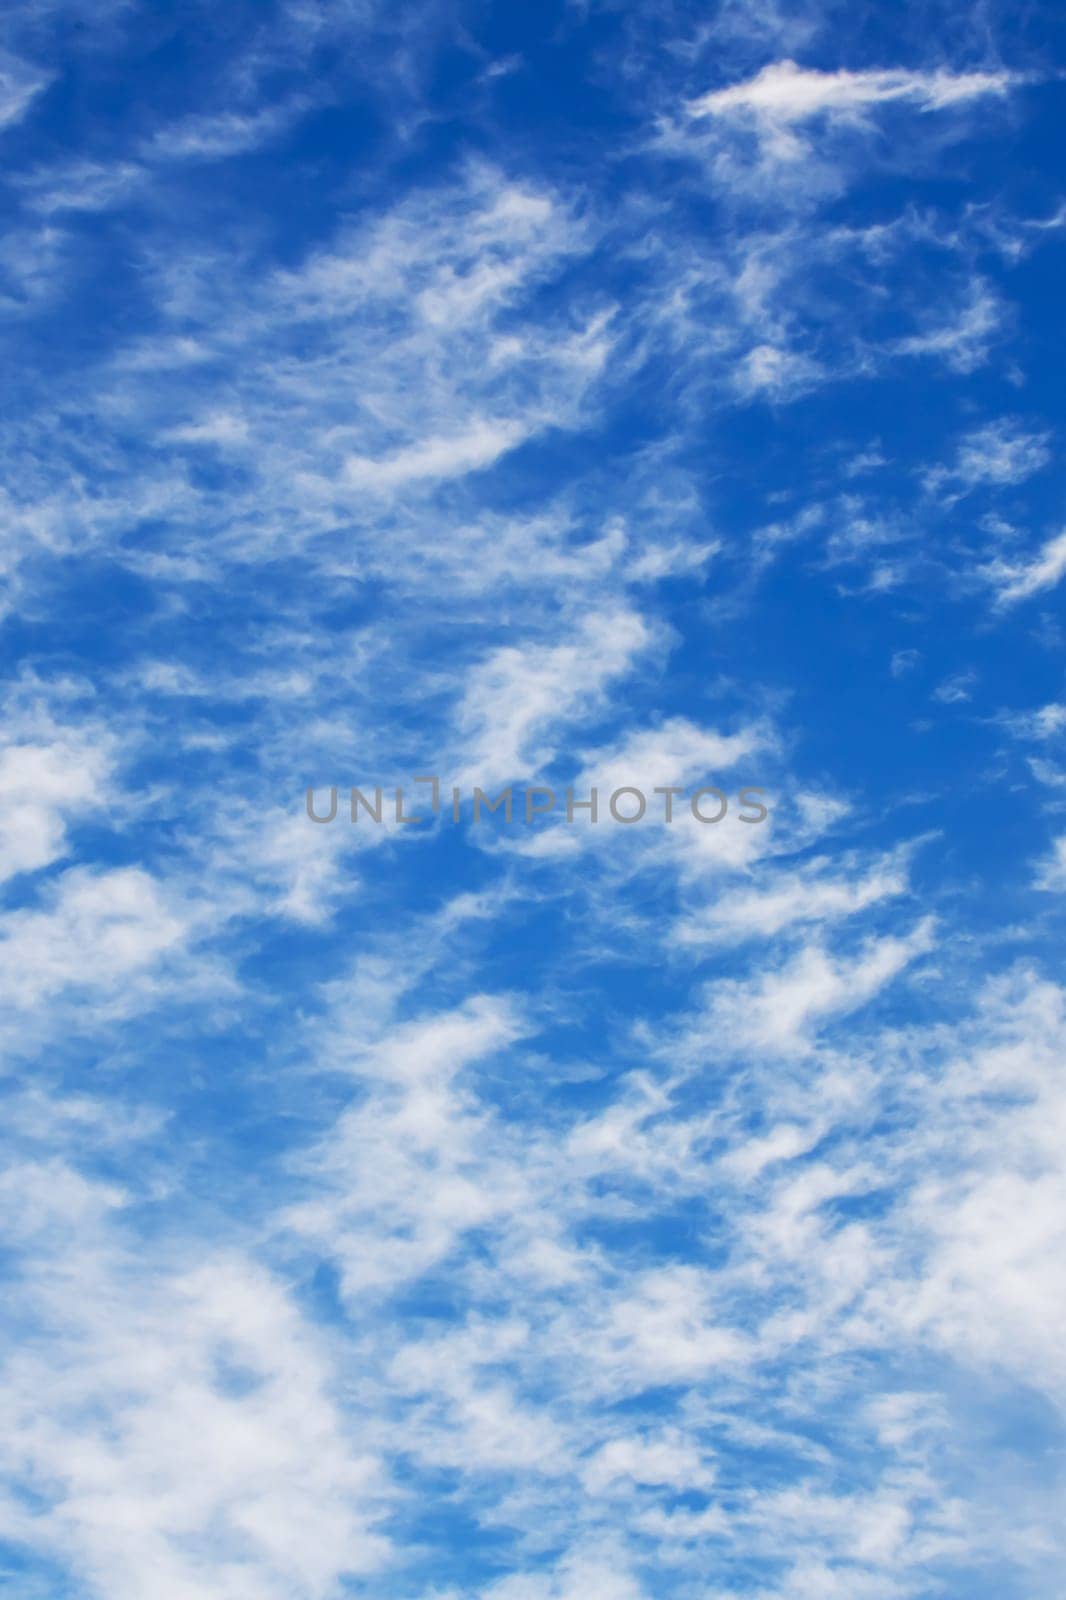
{"points": [[785, 92], [1002, 452], [20, 84], [447, 457], [962, 342], [1020, 580], [779, 1011], [1051, 874]]}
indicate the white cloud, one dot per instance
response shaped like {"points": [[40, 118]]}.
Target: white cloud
{"points": [[661, 1329], [83, 186], [1003, 452], [675, 752], [678, 754], [479, 445], [667, 1458], [97, 930], [1044, 723], [784, 92], [768, 370], [519, 697], [176, 1427], [964, 341], [957, 689], [670, 560], [904, 661], [1020, 580], [19, 86], [220, 134], [1052, 872], [789, 899], [582, 1575], [43, 787], [1046, 772], [405, 1176], [220, 429], [779, 1012]]}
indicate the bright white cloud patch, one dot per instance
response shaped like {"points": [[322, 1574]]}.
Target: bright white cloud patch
{"points": [[1020, 580], [447, 457], [43, 788], [786, 92]]}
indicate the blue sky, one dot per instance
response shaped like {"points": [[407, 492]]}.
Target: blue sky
{"points": [[576, 395]]}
